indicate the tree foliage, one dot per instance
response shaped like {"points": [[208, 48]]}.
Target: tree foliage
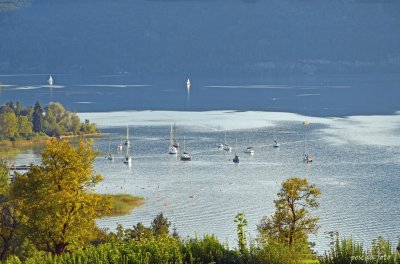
{"points": [[241, 221], [292, 221], [19, 122], [57, 197]]}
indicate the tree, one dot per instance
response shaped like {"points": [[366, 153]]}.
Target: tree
{"points": [[241, 221], [24, 126], [9, 125], [18, 108], [58, 200], [37, 118], [9, 217], [160, 225], [292, 221], [4, 183]]}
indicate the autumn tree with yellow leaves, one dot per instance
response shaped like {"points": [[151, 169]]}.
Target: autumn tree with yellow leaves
{"points": [[58, 200], [292, 221]]}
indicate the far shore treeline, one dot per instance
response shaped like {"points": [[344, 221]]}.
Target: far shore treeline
{"points": [[27, 123]]}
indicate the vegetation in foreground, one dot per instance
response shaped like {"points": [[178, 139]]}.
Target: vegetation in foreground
{"points": [[48, 216], [35, 123]]}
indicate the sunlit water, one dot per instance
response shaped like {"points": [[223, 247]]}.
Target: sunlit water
{"points": [[356, 158], [357, 175]]}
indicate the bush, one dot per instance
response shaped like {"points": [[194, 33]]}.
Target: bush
{"points": [[347, 250]]}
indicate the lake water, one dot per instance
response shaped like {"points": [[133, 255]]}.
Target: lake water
{"points": [[326, 95], [353, 137]]}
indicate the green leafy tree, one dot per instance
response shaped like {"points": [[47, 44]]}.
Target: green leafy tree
{"points": [[8, 125], [139, 232], [4, 182], [292, 221], [9, 218], [241, 221], [160, 225], [58, 200], [37, 118], [24, 126], [18, 108]]}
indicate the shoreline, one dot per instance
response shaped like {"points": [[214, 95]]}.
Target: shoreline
{"points": [[9, 148], [122, 204]]}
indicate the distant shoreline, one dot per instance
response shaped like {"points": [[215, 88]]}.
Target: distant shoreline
{"points": [[9, 147]]}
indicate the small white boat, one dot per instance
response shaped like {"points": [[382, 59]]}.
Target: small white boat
{"points": [[50, 80], [307, 158], [227, 147], [249, 150], [173, 150], [185, 156], [110, 156], [127, 159]]}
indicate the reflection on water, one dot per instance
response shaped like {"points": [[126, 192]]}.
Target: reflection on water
{"points": [[357, 181]]}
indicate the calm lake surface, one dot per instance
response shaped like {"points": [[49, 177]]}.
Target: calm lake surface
{"points": [[322, 95], [356, 158]]}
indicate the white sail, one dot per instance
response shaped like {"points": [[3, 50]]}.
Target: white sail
{"points": [[50, 80]]}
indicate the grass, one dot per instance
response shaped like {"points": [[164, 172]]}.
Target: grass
{"points": [[310, 261], [122, 204]]}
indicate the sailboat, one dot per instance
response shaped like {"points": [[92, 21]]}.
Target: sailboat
{"points": [[172, 148], [50, 80], [110, 156], [276, 143], [185, 156], [127, 159], [226, 145], [174, 142], [307, 158], [219, 144], [249, 149], [127, 142], [236, 158]]}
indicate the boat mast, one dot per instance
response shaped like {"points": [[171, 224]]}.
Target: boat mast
{"points": [[171, 136], [127, 133], [236, 148]]}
